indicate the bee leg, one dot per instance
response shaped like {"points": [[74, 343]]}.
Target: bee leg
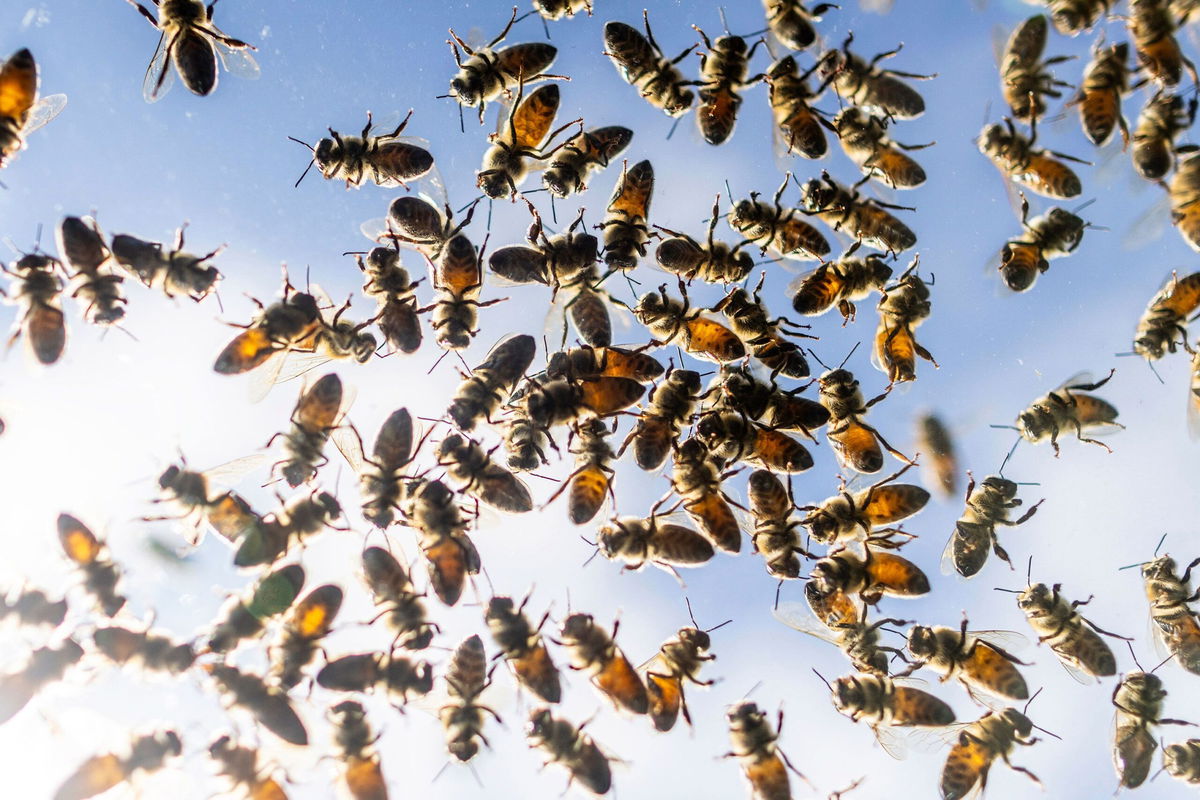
{"points": [[788, 763], [1024, 517], [144, 12], [1015, 768], [1097, 628]]}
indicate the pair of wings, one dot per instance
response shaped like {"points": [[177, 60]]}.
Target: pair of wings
{"points": [[237, 61]]}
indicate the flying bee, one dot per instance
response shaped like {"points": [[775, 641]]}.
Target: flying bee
{"points": [[1152, 28], [1139, 701], [842, 517], [343, 339], [455, 310], [590, 484], [671, 404], [360, 672], [1105, 82], [902, 307], [871, 576], [1073, 638], [491, 383], [878, 701], [1065, 407], [44, 666], [21, 112], [581, 155], [403, 610], [638, 542], [778, 229], [855, 443], [562, 400], [865, 141], [268, 704], [386, 160], [37, 292], [193, 494], [865, 84], [462, 718], [732, 436], [307, 623], [362, 773], [240, 765], [680, 658], [388, 282], [840, 282], [289, 323], [1020, 161], [1182, 761], [556, 261], [697, 478], [303, 515], [381, 477], [1024, 77], [491, 484], [523, 649], [1055, 234], [569, 746], [798, 125], [711, 262], [84, 250], [1160, 122], [450, 555], [101, 576], [1175, 622], [585, 361], [1184, 193], [776, 533], [317, 413], [756, 749], [1164, 318], [767, 403], [32, 607], [189, 39], [591, 650], [521, 138], [525, 443], [970, 657], [176, 272], [988, 505], [487, 73], [415, 223], [626, 220], [994, 735], [855, 636], [1073, 17], [941, 465], [641, 63], [151, 651], [866, 220], [98, 774], [792, 24], [722, 74], [676, 322], [243, 618], [554, 10]]}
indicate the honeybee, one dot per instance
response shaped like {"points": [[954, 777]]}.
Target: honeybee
{"points": [[755, 748], [855, 443], [591, 483], [450, 555], [563, 400], [380, 478], [675, 322], [557, 262], [188, 38], [33, 607], [791, 23], [842, 282], [671, 404], [1020, 161], [641, 63], [468, 463], [307, 623], [83, 248], [841, 517], [864, 219], [591, 650], [767, 403], [151, 651], [879, 702], [865, 141], [37, 292], [1139, 700], [289, 323], [491, 382], [680, 658], [870, 576], [488, 73], [1175, 623], [732, 436], [522, 647], [462, 718], [1073, 638], [392, 588], [1073, 17], [386, 160], [797, 124], [902, 307], [343, 339], [303, 515], [101, 576], [712, 262], [855, 636], [176, 272], [1055, 234], [585, 361], [1161, 120], [1184, 193], [970, 657], [362, 773], [941, 463], [456, 309], [994, 735], [98, 774], [388, 282], [863, 83], [626, 220], [581, 155], [1193, 408], [268, 704], [240, 764], [722, 74], [1105, 82], [416, 223], [192, 493], [43, 667], [975, 532], [776, 533], [1065, 407], [1165, 316], [569, 746], [360, 672], [638, 542], [316, 414], [778, 229], [21, 112], [697, 478], [1152, 28], [524, 442], [520, 138], [245, 617], [557, 9], [1024, 77], [1182, 760]]}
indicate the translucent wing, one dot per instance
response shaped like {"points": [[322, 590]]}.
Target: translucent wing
{"points": [[223, 475], [46, 109], [947, 565], [893, 741], [238, 61], [1149, 226], [374, 228], [1079, 675], [159, 75], [796, 615], [350, 446], [1193, 405], [1010, 641]]}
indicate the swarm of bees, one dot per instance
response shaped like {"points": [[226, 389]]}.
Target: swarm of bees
{"points": [[429, 488]]}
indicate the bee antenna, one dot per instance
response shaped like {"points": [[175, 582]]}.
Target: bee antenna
{"points": [[306, 144], [1131, 566], [1011, 450], [1082, 206], [1029, 702], [1008, 427], [1029, 573], [847, 358], [1010, 591], [1129, 644], [1165, 660], [714, 627], [728, 191], [817, 357], [688, 600], [751, 690], [1160, 541], [1155, 371], [822, 677]]}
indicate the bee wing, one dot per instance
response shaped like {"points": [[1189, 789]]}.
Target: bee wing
{"points": [[947, 565], [238, 61], [1010, 641], [797, 616], [1148, 227], [298, 363], [1076, 672], [225, 475], [350, 446], [894, 741], [798, 281], [158, 70], [46, 109], [374, 228], [1193, 405]]}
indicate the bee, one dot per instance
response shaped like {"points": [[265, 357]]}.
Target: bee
{"points": [[361, 671], [386, 160], [33, 607], [591, 482], [798, 126], [188, 37], [268, 704], [675, 322], [450, 555], [840, 282], [416, 223], [21, 112], [902, 307], [101, 576], [778, 229], [491, 383], [456, 310], [776, 533], [1055, 234], [487, 73], [697, 478], [1020, 161], [878, 701], [865, 141], [462, 718], [755, 748], [245, 617], [866, 220], [564, 400], [176, 272], [1165, 315], [388, 282], [569, 746], [1139, 700], [792, 24], [362, 773], [152, 651], [83, 247], [581, 155], [680, 658], [585, 361], [485, 480], [855, 636], [840, 518], [380, 478], [307, 623], [589, 311], [287, 324], [855, 443], [523, 649], [1161, 120], [1184, 193], [1024, 77], [1152, 29], [37, 293], [732, 436], [641, 63], [863, 83], [524, 442], [992, 736], [316, 414], [521, 137], [1105, 82], [870, 576], [671, 404], [557, 262], [591, 650], [343, 339], [43, 667], [392, 588], [970, 657], [1073, 17], [767, 403], [1073, 638], [942, 464], [192, 493], [722, 74], [975, 532], [554, 10], [1193, 409], [626, 220], [1175, 623], [270, 538], [711, 262], [240, 764], [1064, 407], [98, 774], [638, 542], [1182, 760]]}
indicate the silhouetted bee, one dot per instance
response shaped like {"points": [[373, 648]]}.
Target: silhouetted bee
{"points": [[626, 220], [37, 291], [733, 436], [462, 718], [591, 483], [316, 414], [98, 774], [776, 533], [101, 577], [671, 405], [387, 160], [594, 652], [388, 282], [722, 73], [697, 478], [866, 220], [863, 83], [245, 617], [765, 402], [569, 746], [637, 542], [778, 229], [240, 764], [359, 672], [381, 477], [679, 659], [712, 262], [798, 126], [480, 477], [520, 138], [307, 623], [43, 667], [83, 248], [641, 63], [430, 507], [267, 704], [792, 24], [751, 321], [754, 746], [33, 607], [151, 651], [584, 153], [523, 649], [492, 382], [675, 322], [362, 774], [403, 610], [175, 271], [21, 112]]}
